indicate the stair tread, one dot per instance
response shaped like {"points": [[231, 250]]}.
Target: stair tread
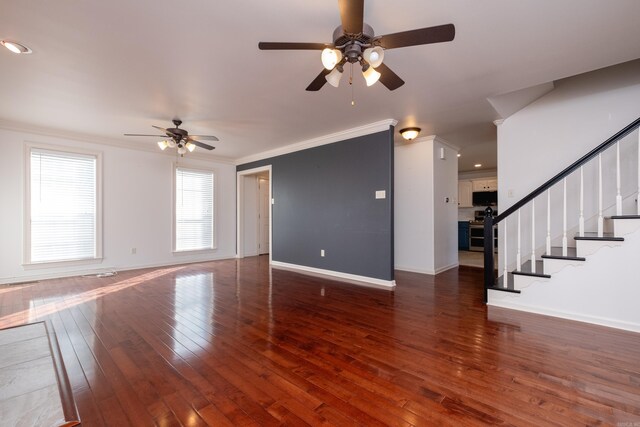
{"points": [[592, 235], [624, 217], [556, 253], [499, 286], [525, 269]]}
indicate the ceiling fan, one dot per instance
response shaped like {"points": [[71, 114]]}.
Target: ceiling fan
{"points": [[354, 42], [179, 138]]}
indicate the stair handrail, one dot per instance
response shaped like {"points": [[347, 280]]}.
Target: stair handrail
{"points": [[490, 221]]}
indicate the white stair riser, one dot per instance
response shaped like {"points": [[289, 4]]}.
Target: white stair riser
{"points": [[552, 266], [520, 282], [622, 227], [589, 247]]}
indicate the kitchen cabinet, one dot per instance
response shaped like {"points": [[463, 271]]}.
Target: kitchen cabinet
{"points": [[489, 184], [465, 194]]}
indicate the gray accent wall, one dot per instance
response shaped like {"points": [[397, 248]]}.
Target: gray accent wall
{"points": [[325, 199]]}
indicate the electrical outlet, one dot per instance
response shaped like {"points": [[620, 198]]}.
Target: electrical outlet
{"points": [[321, 252]]}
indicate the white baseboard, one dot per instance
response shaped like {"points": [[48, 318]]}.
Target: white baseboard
{"points": [[612, 323], [346, 277], [426, 271], [102, 269]]}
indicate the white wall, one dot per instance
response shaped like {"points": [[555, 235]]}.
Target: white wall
{"points": [[137, 208], [548, 135], [425, 227]]}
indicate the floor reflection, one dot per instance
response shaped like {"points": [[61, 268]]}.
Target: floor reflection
{"points": [[194, 300]]}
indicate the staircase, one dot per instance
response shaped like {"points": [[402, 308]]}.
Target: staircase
{"points": [[570, 247]]}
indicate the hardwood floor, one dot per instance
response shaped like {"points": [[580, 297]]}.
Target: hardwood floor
{"points": [[233, 343]]}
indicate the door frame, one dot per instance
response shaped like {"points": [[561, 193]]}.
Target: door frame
{"points": [[240, 209]]}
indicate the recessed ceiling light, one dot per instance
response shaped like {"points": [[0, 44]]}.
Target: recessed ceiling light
{"points": [[16, 48], [459, 154], [477, 165]]}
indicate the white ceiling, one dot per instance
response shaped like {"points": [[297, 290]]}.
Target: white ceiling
{"points": [[105, 68]]}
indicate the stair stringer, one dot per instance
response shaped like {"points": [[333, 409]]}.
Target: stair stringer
{"points": [[604, 290]]}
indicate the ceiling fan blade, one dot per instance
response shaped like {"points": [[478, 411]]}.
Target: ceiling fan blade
{"points": [[319, 81], [166, 131], [352, 15], [438, 34], [206, 137], [201, 144], [139, 134], [292, 46], [388, 78]]}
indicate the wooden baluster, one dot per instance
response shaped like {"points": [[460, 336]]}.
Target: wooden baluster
{"points": [[533, 236], [581, 219], [564, 217], [618, 194], [549, 221], [518, 257], [600, 218], [504, 273]]}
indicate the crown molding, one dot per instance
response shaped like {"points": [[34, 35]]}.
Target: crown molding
{"points": [[429, 138], [81, 137], [379, 126]]}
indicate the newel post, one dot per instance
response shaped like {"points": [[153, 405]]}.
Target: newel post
{"points": [[489, 277]]}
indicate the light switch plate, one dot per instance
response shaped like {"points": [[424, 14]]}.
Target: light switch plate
{"points": [[381, 194]]}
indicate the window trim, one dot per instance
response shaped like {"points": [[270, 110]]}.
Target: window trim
{"points": [[214, 241], [26, 226]]}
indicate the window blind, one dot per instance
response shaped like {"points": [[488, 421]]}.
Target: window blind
{"points": [[63, 206], [194, 210]]}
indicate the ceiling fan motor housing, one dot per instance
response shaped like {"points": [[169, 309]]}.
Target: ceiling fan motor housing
{"points": [[352, 44]]}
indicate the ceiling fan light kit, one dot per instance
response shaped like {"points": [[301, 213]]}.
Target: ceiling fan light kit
{"points": [[330, 58], [355, 42], [410, 133], [374, 56], [334, 77], [371, 76]]}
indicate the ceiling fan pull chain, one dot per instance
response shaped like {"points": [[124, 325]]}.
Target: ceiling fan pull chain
{"points": [[353, 102]]}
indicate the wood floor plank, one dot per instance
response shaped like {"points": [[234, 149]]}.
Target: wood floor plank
{"points": [[235, 343]]}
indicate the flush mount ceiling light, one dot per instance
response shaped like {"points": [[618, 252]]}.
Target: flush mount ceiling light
{"points": [[409, 133], [17, 48], [477, 165]]}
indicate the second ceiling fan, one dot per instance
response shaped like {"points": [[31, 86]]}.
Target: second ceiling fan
{"points": [[354, 42]]}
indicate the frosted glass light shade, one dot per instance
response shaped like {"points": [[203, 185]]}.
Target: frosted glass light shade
{"points": [[371, 76], [171, 143], [374, 56], [334, 77], [163, 145], [181, 150], [190, 147], [409, 133], [330, 58]]}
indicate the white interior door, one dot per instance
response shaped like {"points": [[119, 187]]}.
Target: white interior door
{"points": [[263, 220]]}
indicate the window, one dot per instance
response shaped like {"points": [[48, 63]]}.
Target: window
{"points": [[193, 210], [62, 206]]}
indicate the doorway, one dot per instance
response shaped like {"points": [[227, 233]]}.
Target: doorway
{"points": [[254, 212]]}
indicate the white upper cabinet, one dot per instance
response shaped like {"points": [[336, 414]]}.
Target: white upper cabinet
{"points": [[465, 194], [489, 184]]}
